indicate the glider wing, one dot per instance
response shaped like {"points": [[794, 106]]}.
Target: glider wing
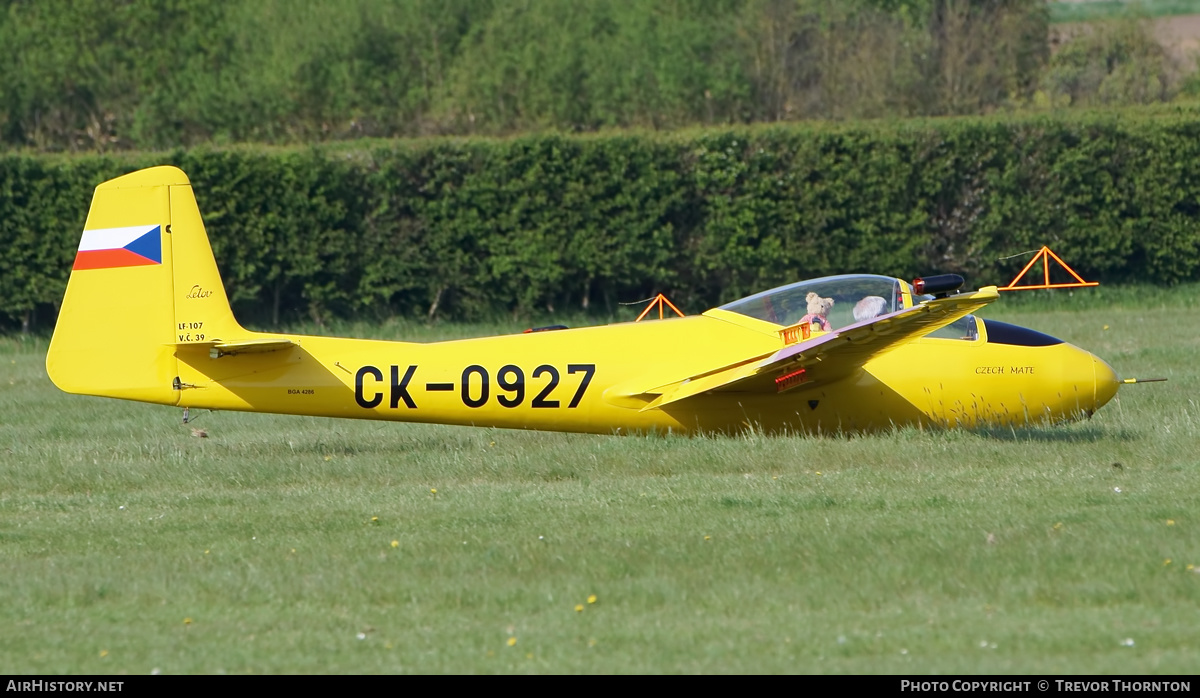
{"points": [[828, 357]]}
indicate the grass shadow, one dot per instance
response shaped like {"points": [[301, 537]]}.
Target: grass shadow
{"points": [[1088, 433]]}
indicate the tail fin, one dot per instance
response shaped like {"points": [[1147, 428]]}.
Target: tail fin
{"points": [[144, 282]]}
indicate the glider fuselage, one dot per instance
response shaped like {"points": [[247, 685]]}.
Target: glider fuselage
{"points": [[145, 317], [597, 379]]}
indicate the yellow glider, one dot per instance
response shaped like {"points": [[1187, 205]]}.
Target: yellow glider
{"points": [[146, 318]]}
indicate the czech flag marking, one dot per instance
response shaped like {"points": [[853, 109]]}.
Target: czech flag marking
{"points": [[109, 248]]}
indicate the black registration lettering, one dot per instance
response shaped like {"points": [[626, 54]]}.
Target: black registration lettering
{"points": [[511, 385], [514, 385], [466, 386], [359, 391], [540, 400], [588, 370], [400, 387]]}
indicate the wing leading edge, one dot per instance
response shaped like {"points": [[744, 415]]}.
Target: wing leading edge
{"points": [[828, 357]]}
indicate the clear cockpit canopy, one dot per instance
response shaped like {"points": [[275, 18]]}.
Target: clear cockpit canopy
{"points": [[856, 297]]}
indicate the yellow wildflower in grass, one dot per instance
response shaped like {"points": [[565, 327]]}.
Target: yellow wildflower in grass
{"points": [[1190, 568], [579, 608], [187, 621], [1057, 525], [103, 653], [395, 544], [707, 537], [818, 472], [432, 490], [592, 598], [374, 519], [1170, 522], [1166, 562], [512, 641]]}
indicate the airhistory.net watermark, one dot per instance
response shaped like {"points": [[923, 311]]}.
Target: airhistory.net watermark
{"points": [[37, 685]]}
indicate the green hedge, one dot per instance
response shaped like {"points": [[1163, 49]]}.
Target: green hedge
{"points": [[470, 228]]}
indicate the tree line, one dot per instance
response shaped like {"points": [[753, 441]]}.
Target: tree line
{"points": [[108, 75]]}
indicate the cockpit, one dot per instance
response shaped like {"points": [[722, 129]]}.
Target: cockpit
{"points": [[855, 298], [787, 305]]}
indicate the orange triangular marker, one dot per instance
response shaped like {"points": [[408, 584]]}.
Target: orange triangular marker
{"points": [[659, 301], [1045, 254]]}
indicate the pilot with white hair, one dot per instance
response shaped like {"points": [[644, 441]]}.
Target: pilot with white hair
{"points": [[869, 307]]}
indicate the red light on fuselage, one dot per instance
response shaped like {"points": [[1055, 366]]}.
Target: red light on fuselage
{"points": [[942, 283]]}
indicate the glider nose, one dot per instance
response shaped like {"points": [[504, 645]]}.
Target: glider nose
{"points": [[1106, 381]]}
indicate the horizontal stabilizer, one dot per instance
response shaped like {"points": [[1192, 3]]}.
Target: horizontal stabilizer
{"points": [[217, 348]]}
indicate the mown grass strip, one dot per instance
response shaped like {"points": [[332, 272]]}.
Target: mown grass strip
{"points": [[1092, 10], [283, 544]]}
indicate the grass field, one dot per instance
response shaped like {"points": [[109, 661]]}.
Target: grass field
{"points": [[285, 544], [1089, 10]]}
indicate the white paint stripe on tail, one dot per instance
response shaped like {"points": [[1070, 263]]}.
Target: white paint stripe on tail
{"points": [[112, 238]]}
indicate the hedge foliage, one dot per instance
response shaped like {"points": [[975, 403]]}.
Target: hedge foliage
{"points": [[470, 228]]}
